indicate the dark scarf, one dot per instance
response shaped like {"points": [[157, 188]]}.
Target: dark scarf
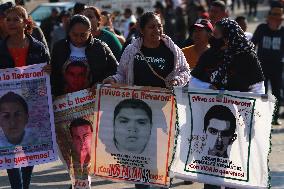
{"points": [[237, 43]]}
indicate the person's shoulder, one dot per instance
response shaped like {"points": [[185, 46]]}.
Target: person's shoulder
{"points": [[36, 43], [97, 43], [107, 33]]}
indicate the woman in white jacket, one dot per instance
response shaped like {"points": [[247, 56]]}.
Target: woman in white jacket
{"points": [[152, 59]]}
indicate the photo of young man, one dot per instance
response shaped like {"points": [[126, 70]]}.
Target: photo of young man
{"points": [[132, 124], [14, 116], [220, 127], [81, 132], [76, 76]]}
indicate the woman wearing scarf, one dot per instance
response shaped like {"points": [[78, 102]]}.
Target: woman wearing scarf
{"points": [[234, 66]]}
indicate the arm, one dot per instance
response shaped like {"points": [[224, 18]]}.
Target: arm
{"points": [[122, 70], [182, 71]]}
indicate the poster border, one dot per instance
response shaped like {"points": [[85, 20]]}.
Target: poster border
{"points": [[97, 117], [250, 128]]}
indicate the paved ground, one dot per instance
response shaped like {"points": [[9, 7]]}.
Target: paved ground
{"points": [[54, 176]]}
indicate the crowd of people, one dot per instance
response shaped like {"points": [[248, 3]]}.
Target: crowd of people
{"points": [[200, 46]]}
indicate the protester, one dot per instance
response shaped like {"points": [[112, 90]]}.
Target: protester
{"points": [[130, 18], [233, 4], [138, 65], [201, 31], [38, 33], [180, 27], [173, 70], [170, 19], [79, 45], [3, 8], [48, 24], [79, 8], [107, 24], [20, 49], [93, 13], [217, 11], [60, 31], [269, 38], [139, 12], [253, 8], [242, 21], [233, 67]]}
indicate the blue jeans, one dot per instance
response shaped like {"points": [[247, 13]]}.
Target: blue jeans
{"points": [[20, 178]]}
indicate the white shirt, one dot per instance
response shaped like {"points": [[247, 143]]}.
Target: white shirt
{"points": [[77, 53]]}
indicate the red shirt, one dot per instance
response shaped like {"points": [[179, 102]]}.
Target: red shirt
{"points": [[19, 56]]}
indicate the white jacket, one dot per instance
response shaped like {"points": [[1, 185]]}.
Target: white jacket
{"points": [[125, 72]]}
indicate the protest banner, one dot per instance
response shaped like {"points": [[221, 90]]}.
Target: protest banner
{"points": [[74, 114], [27, 134], [224, 138], [134, 134]]}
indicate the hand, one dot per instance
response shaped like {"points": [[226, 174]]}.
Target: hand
{"points": [[47, 69], [109, 80]]}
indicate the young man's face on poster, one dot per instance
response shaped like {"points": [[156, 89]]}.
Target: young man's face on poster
{"points": [[219, 137], [132, 130], [76, 78], [82, 139], [13, 118]]}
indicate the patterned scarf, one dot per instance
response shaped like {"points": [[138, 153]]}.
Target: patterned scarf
{"points": [[237, 43]]}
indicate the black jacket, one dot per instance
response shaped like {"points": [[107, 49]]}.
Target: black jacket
{"points": [[99, 56], [244, 70], [37, 53]]}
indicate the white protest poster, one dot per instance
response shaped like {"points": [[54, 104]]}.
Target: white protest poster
{"points": [[134, 134], [74, 114], [27, 135], [223, 139]]}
